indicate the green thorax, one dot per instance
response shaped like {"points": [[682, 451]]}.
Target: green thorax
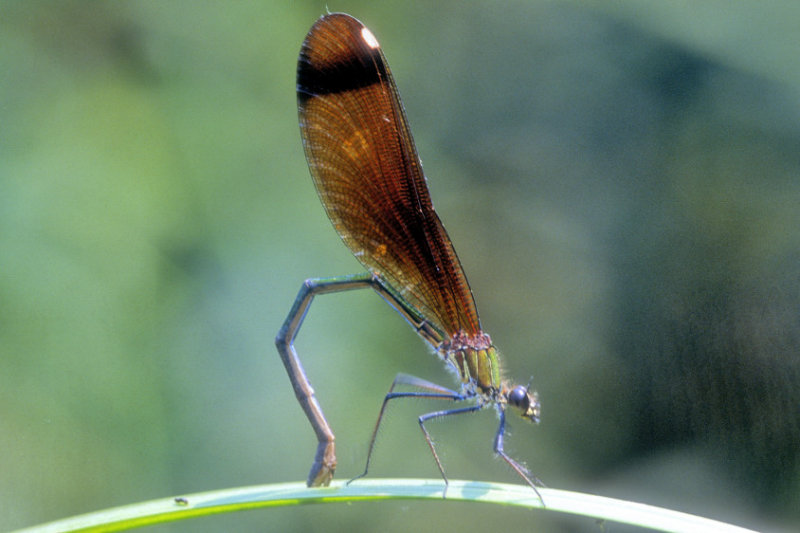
{"points": [[475, 359]]}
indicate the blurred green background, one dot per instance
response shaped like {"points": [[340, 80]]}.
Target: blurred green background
{"points": [[621, 184]]}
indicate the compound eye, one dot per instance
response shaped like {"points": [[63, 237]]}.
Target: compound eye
{"points": [[518, 397]]}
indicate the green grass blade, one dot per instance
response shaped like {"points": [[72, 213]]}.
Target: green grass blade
{"points": [[286, 494]]}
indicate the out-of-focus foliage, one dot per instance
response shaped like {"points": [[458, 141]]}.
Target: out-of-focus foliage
{"points": [[621, 183]]}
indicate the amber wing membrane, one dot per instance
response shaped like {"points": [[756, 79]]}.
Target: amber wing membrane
{"points": [[368, 175]]}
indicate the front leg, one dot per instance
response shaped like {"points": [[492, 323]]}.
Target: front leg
{"points": [[529, 478]]}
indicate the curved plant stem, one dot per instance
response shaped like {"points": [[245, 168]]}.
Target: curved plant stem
{"points": [[286, 494]]}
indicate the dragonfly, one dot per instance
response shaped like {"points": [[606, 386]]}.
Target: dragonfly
{"points": [[369, 178]]}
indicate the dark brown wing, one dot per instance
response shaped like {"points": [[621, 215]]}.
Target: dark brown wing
{"points": [[368, 175]]}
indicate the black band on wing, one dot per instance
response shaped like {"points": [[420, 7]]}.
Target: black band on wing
{"points": [[362, 68]]}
